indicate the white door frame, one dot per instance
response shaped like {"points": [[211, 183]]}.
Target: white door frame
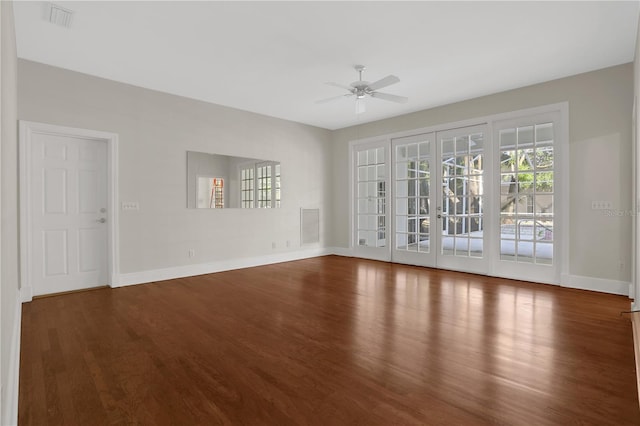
{"points": [[375, 253], [418, 258], [561, 218], [435, 257], [536, 273], [476, 265], [27, 129]]}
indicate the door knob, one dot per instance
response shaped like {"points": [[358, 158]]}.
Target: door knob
{"points": [[101, 220], [439, 216]]}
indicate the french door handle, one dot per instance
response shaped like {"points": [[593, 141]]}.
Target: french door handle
{"points": [[439, 216], [101, 220]]}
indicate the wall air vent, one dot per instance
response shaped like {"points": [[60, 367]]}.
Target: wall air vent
{"points": [[309, 226], [58, 15]]}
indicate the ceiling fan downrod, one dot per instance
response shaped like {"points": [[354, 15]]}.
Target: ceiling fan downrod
{"points": [[360, 86], [360, 69]]}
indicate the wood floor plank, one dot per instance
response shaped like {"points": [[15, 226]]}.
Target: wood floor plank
{"points": [[326, 341]]}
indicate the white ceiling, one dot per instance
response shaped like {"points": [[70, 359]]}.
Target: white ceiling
{"points": [[273, 58]]}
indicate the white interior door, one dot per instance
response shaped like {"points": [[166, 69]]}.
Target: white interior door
{"points": [[68, 213]]}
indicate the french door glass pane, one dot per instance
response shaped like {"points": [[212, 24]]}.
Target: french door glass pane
{"points": [[371, 198], [462, 195], [412, 196], [526, 193]]}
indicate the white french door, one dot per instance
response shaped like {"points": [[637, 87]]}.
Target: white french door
{"points": [[414, 183], [439, 186], [463, 209], [529, 202], [370, 217], [485, 198]]}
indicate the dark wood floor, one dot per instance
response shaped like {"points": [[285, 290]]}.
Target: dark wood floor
{"points": [[329, 341]]}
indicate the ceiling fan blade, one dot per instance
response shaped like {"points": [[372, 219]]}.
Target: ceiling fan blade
{"points": [[342, 86], [334, 98], [389, 97], [387, 81]]}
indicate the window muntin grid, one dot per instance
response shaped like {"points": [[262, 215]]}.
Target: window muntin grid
{"points": [[462, 195], [527, 193], [371, 226], [412, 205]]}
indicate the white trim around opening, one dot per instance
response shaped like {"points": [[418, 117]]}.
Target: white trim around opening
{"points": [[26, 131], [562, 148]]}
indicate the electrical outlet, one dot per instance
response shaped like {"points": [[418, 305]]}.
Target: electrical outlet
{"points": [[130, 205], [288, 243], [192, 252]]}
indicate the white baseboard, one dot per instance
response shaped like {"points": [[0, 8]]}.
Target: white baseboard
{"points": [[601, 285], [596, 284], [142, 277], [26, 294], [341, 251], [10, 394]]}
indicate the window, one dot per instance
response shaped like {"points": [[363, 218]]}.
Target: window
{"points": [[463, 194], [371, 197], [412, 196], [260, 185]]}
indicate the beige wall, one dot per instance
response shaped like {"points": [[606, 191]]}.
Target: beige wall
{"points": [[600, 105], [156, 130], [9, 203]]}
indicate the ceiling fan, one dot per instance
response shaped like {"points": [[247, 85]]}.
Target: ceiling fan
{"points": [[361, 89]]}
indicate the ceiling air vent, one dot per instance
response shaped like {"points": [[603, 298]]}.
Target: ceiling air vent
{"points": [[58, 15]]}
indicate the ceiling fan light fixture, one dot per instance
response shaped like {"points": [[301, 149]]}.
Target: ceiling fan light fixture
{"points": [[360, 89]]}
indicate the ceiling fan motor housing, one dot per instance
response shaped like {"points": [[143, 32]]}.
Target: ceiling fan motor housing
{"points": [[360, 86]]}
